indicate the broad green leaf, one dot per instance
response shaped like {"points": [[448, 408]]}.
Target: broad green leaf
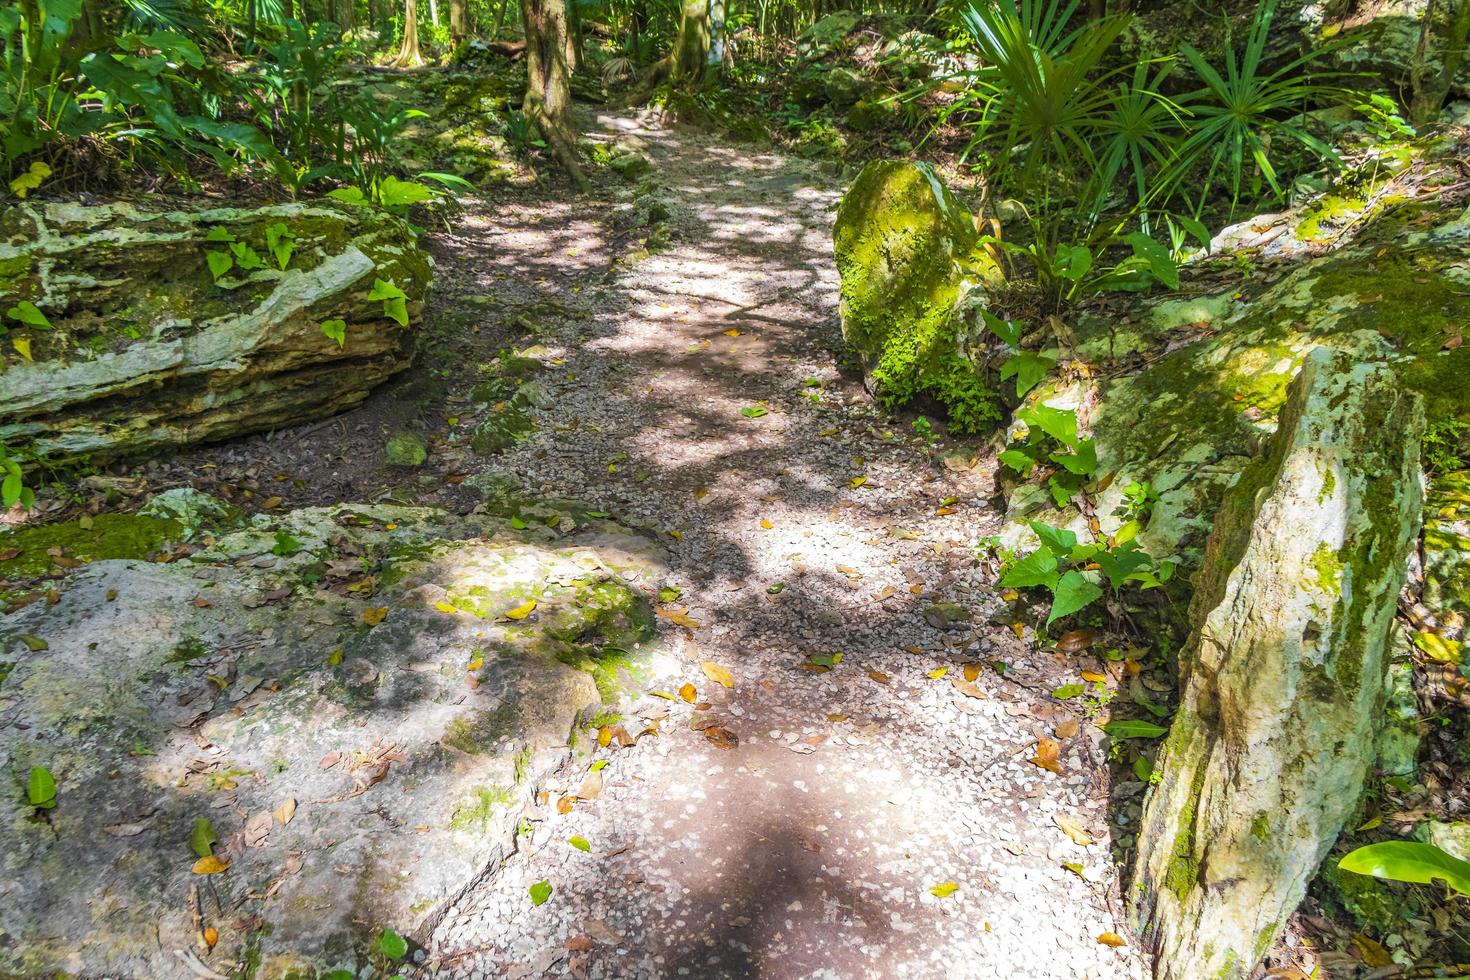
{"points": [[219, 233], [1017, 461], [1157, 256], [281, 242], [385, 290], [580, 843], [1007, 330], [219, 263], [1134, 729], [393, 192], [753, 411], [1028, 368], [348, 195], [392, 945], [1082, 462], [41, 789], [30, 180], [1143, 768], [1059, 423], [26, 312], [1409, 861], [396, 309], [1073, 592], [336, 330], [203, 838], [540, 892], [1058, 539], [1438, 648], [1121, 562], [1037, 568], [1067, 691], [1073, 261]]}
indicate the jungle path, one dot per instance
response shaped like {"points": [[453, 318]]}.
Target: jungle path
{"points": [[699, 397]]}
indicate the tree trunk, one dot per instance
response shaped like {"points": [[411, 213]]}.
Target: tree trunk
{"points": [[343, 14], [408, 54], [457, 30], [574, 38], [698, 48], [1428, 89], [548, 86], [434, 12]]}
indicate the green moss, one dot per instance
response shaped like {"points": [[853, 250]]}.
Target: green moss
{"points": [[1374, 905], [110, 536], [1261, 827], [1328, 568], [905, 249], [477, 812], [1183, 871], [481, 731]]}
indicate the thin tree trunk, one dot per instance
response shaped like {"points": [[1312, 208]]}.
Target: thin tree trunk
{"points": [[548, 86], [408, 54], [457, 29], [434, 12], [499, 19], [343, 14]]}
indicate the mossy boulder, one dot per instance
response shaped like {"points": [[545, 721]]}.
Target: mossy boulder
{"points": [[911, 268], [149, 348], [1185, 390], [1447, 545], [1283, 680], [403, 681]]}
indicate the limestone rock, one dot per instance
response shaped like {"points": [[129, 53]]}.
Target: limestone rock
{"points": [[148, 349], [908, 256], [1283, 680], [1204, 398], [361, 756], [1447, 545]]}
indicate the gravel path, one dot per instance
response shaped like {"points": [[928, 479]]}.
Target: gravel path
{"points": [[804, 833]]}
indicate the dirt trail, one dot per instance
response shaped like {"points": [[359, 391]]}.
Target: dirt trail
{"points": [[822, 526]]}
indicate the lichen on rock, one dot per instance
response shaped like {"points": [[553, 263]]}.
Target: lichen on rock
{"points": [[1283, 680]]}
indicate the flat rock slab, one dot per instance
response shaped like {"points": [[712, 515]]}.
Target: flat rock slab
{"points": [[359, 700], [165, 326]]}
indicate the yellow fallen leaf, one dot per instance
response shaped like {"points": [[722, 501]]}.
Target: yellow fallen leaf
{"points": [[733, 332], [937, 673], [972, 672], [717, 673], [1048, 755], [766, 524], [23, 347], [676, 535], [210, 865], [1068, 728], [285, 812], [827, 433], [605, 736], [1073, 829], [445, 607], [477, 662], [1112, 939], [1093, 677], [944, 889], [522, 611], [857, 481], [689, 693], [374, 615], [678, 617]]}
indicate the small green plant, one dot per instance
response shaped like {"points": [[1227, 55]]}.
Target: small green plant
{"points": [[12, 483], [1065, 568], [1409, 861]]}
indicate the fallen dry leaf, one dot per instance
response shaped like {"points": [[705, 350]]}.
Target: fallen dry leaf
{"points": [[721, 738], [374, 615], [717, 673], [329, 760], [1048, 755], [210, 865], [878, 676], [679, 617], [1112, 939], [968, 688], [1077, 641], [972, 672], [689, 693], [285, 812], [1068, 728], [1074, 830]]}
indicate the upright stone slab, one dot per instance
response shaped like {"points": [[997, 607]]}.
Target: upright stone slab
{"points": [[1283, 678]]}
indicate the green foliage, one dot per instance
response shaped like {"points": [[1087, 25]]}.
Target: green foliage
{"points": [[202, 837], [1409, 861], [395, 302], [392, 945], [41, 789], [12, 482], [1061, 565], [336, 330], [540, 892]]}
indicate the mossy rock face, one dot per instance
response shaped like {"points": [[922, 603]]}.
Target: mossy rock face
{"points": [[1447, 544], [53, 548], [147, 349], [1190, 421], [907, 253], [1283, 681], [370, 673]]}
